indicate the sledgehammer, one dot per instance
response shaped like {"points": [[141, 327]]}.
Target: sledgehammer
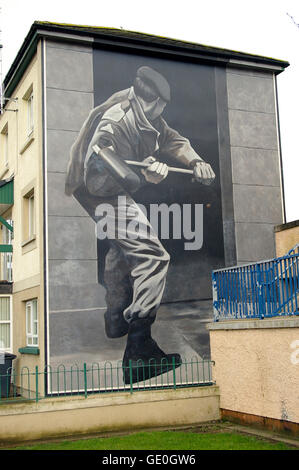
{"points": [[119, 169]]}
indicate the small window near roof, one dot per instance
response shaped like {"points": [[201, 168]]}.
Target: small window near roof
{"points": [[28, 98], [30, 114], [4, 145]]}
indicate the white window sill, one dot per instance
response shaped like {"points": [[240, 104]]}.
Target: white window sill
{"points": [[4, 171], [28, 142], [29, 240]]}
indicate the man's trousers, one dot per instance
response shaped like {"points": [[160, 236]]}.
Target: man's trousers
{"points": [[136, 264]]}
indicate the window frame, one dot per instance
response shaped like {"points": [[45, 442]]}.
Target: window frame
{"points": [[5, 145], [29, 222], [7, 239], [30, 114], [31, 215], [30, 335], [10, 322], [28, 97]]}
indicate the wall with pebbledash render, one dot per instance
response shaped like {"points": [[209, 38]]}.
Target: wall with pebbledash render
{"points": [[286, 237], [257, 370]]}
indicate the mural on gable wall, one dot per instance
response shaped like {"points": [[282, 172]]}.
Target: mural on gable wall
{"points": [[145, 168]]}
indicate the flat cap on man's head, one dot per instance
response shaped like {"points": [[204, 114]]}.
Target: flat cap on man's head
{"points": [[156, 81]]}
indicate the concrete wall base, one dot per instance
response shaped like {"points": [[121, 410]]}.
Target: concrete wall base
{"points": [[261, 421], [58, 417]]}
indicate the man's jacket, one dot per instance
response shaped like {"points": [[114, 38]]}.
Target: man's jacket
{"points": [[120, 124]]}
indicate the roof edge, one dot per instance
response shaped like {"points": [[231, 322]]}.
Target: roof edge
{"points": [[114, 37], [135, 35]]}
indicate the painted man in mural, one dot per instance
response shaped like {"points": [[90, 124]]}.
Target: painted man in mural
{"points": [[131, 126]]}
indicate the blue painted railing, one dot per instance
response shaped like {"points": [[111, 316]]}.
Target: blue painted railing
{"points": [[260, 290]]}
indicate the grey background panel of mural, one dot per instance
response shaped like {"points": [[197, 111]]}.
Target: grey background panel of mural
{"points": [[246, 161], [69, 76], [245, 129], [251, 93], [255, 241], [77, 229], [225, 165], [67, 109], [257, 204], [68, 206], [58, 148], [72, 248], [255, 162]]}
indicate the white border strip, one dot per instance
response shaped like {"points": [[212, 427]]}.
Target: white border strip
{"points": [[282, 194], [45, 192]]}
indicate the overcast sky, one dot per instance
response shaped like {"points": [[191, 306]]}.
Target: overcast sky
{"points": [[260, 27]]}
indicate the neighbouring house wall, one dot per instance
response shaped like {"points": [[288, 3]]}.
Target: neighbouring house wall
{"points": [[254, 146], [26, 362], [286, 237], [257, 366], [25, 164], [27, 175]]}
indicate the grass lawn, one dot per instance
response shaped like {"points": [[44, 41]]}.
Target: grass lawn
{"points": [[166, 440]]}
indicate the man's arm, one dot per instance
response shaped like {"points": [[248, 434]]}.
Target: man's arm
{"points": [[179, 148], [98, 180]]}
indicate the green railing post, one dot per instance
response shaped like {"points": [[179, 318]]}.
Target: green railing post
{"points": [[85, 379], [182, 380], [36, 384], [173, 368], [131, 376], [8, 375]]}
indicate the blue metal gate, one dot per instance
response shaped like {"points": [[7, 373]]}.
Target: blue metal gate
{"points": [[265, 289]]}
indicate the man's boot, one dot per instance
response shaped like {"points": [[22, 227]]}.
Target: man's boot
{"points": [[143, 358]]}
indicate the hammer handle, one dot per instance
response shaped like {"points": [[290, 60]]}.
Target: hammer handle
{"points": [[170, 168]]}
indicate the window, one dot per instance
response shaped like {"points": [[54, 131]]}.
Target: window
{"points": [[28, 103], [4, 146], [5, 323], [29, 216], [31, 323], [30, 114], [6, 258]]}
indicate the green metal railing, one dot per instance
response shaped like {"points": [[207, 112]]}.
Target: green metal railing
{"points": [[62, 381]]}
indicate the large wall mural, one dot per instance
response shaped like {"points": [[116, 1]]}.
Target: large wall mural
{"points": [[145, 168]]}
